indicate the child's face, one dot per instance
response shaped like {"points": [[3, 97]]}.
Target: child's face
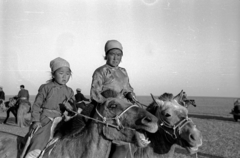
{"points": [[62, 75], [114, 57]]}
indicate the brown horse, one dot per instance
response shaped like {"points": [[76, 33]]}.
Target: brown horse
{"points": [[115, 119], [19, 110], [175, 128], [9, 107]]}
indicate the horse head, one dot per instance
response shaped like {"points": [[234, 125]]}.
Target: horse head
{"points": [[182, 99], [125, 121], [174, 125]]}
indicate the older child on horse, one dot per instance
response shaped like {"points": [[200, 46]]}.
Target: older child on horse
{"points": [[110, 77]]}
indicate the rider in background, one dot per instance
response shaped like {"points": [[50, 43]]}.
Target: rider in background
{"points": [[79, 96], [80, 100], [23, 93], [2, 94], [112, 77], [23, 96], [49, 105]]}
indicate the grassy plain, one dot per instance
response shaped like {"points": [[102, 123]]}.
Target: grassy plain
{"points": [[221, 134]]}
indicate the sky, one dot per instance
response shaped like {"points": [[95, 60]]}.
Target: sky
{"points": [[168, 45]]}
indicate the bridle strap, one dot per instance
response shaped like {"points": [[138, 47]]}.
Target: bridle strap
{"points": [[124, 111], [176, 128]]}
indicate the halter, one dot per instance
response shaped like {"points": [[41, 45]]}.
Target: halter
{"points": [[176, 128], [117, 118]]}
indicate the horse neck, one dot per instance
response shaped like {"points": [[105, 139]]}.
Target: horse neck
{"points": [[161, 146], [96, 144], [93, 139]]}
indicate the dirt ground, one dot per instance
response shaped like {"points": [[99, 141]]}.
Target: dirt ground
{"points": [[11, 126]]}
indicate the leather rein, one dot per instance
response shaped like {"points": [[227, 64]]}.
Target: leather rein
{"points": [[119, 125]]}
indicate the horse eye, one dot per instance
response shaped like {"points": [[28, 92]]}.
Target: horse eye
{"points": [[167, 115], [112, 106]]}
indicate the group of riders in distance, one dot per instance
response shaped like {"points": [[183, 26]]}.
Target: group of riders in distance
{"points": [[111, 124]]}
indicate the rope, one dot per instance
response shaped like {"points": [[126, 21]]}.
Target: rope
{"points": [[104, 119]]}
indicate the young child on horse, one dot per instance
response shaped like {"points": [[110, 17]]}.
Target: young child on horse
{"points": [[48, 104]]}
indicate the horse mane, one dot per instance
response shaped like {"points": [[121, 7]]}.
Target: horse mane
{"points": [[76, 125], [166, 97], [163, 142], [162, 146]]}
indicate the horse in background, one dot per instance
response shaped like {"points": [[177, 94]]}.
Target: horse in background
{"points": [[21, 111], [175, 129], [183, 100], [115, 119]]}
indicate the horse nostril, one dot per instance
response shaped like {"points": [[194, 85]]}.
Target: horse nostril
{"points": [[192, 137], [146, 119]]}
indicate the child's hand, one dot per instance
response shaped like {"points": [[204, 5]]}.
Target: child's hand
{"points": [[36, 124], [68, 105]]}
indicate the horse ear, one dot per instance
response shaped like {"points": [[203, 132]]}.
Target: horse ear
{"points": [[153, 98], [158, 102], [179, 97]]}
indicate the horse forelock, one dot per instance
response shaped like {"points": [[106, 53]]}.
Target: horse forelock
{"points": [[166, 97], [110, 93], [152, 108]]}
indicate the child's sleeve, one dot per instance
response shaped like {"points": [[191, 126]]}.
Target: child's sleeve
{"points": [[96, 87], [36, 110], [129, 87]]}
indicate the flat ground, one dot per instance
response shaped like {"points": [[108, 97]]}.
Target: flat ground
{"points": [[221, 134]]}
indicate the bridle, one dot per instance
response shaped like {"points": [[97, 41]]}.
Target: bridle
{"points": [[177, 128], [119, 125]]}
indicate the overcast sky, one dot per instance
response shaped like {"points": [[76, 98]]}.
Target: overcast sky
{"points": [[168, 45]]}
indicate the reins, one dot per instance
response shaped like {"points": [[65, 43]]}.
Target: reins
{"points": [[117, 118], [119, 126]]}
